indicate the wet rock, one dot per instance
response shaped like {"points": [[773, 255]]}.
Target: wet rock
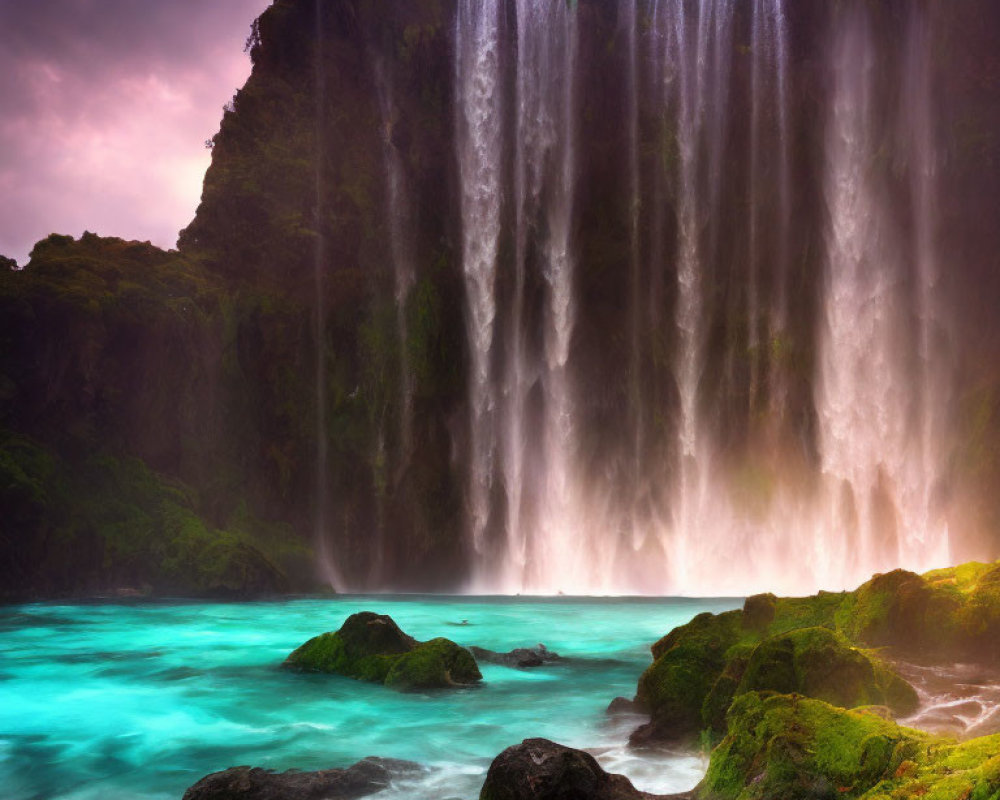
{"points": [[820, 663], [371, 647], [539, 769], [252, 783], [519, 657], [622, 705]]}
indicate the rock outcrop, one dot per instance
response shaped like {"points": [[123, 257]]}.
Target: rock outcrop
{"points": [[252, 783], [539, 769], [519, 657], [371, 647]]}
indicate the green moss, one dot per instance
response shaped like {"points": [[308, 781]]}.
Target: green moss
{"points": [[759, 611], [903, 610], [99, 524], [819, 663], [688, 663], [371, 647], [328, 653], [437, 664], [794, 747]]}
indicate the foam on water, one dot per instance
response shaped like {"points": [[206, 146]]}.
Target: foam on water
{"points": [[140, 701]]}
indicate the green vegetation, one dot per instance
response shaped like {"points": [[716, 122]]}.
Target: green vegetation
{"points": [[106, 525], [371, 647], [816, 646], [800, 708], [795, 748]]}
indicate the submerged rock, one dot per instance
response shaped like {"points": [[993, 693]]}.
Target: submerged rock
{"points": [[371, 647], [622, 705], [539, 769], [252, 783], [520, 657]]}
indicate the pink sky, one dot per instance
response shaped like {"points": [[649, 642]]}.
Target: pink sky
{"points": [[105, 106]]}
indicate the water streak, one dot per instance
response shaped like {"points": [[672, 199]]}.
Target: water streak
{"points": [[870, 454], [400, 246], [478, 134]]}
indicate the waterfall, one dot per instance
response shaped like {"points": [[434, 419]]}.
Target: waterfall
{"points": [[697, 42], [769, 205], [559, 535], [537, 454], [917, 132], [868, 394], [400, 246], [804, 419], [478, 136], [324, 552]]}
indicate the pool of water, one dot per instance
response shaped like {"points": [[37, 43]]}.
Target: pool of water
{"points": [[140, 701]]}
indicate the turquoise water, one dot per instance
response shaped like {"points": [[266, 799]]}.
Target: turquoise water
{"points": [[139, 701]]}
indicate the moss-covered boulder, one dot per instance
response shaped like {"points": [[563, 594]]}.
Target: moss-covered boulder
{"points": [[821, 663], [818, 646], [371, 647], [759, 611], [705, 664], [945, 614], [688, 662], [792, 747]]}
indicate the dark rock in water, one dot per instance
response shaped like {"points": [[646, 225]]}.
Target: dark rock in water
{"points": [[538, 769], [521, 657], [252, 783], [371, 647], [622, 705]]}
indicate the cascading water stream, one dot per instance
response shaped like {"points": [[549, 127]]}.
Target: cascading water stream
{"points": [[917, 129], [324, 551], [698, 79], [478, 136], [635, 275], [880, 481], [826, 512], [538, 537], [400, 246]]}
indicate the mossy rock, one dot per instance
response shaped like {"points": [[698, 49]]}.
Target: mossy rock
{"points": [[759, 611], [818, 646], [437, 664], [822, 664], [902, 610], [371, 647], [688, 662], [797, 748], [775, 644], [792, 747], [946, 614]]}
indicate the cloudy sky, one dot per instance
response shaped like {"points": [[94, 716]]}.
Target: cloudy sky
{"points": [[105, 106]]}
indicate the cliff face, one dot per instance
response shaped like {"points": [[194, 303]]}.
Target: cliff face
{"points": [[308, 367]]}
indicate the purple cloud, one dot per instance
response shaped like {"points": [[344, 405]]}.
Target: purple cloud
{"points": [[105, 106]]}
